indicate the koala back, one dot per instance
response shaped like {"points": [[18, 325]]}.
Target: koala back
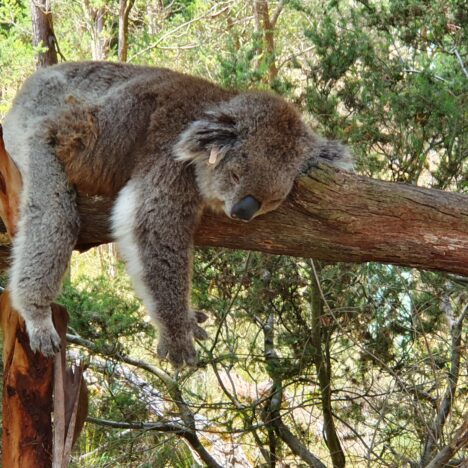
{"points": [[110, 122]]}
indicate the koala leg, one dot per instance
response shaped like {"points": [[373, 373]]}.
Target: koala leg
{"points": [[47, 232], [154, 233]]}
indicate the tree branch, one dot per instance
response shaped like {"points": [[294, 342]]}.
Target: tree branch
{"points": [[330, 215], [323, 369], [272, 415], [460, 441], [188, 430], [276, 13], [124, 11], [334, 216], [435, 430], [188, 435], [267, 26]]}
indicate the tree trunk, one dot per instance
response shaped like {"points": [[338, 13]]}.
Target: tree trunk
{"points": [[27, 393], [95, 19], [124, 11], [266, 26], [43, 32], [28, 377]]}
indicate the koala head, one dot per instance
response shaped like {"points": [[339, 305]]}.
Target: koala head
{"points": [[247, 153]]}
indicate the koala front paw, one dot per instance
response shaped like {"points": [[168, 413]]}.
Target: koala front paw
{"points": [[43, 337]]}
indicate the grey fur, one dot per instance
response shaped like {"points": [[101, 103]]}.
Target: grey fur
{"points": [[144, 135]]}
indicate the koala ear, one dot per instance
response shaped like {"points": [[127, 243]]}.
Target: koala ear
{"points": [[208, 139], [329, 151]]}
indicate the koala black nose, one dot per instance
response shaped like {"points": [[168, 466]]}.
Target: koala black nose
{"points": [[246, 208]]}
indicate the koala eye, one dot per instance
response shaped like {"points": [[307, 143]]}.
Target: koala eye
{"points": [[235, 177]]}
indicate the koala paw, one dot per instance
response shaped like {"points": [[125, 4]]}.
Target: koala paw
{"points": [[43, 337], [177, 345], [199, 333], [178, 349]]}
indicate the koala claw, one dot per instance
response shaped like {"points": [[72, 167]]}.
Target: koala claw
{"points": [[200, 316], [178, 351], [43, 337], [198, 332], [177, 345]]}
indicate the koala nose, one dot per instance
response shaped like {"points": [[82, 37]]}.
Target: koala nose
{"points": [[246, 208]]}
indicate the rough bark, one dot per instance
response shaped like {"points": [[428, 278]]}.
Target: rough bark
{"points": [[43, 32], [335, 216], [27, 393]]}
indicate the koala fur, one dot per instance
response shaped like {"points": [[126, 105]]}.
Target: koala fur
{"points": [[165, 145]]}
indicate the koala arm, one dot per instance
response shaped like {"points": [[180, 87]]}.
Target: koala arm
{"points": [[153, 222]]}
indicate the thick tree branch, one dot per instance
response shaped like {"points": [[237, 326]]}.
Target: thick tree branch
{"points": [[330, 215], [334, 216]]}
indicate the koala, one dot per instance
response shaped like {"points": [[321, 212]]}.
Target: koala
{"points": [[164, 146]]}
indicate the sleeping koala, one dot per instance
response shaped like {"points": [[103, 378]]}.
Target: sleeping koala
{"points": [[164, 145]]}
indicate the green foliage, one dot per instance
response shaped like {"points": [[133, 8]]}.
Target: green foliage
{"points": [[16, 51], [103, 309], [389, 78]]}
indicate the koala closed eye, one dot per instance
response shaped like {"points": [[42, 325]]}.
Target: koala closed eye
{"points": [[235, 177]]}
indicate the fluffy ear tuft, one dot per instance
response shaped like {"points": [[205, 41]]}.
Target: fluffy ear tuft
{"points": [[332, 152], [214, 134]]}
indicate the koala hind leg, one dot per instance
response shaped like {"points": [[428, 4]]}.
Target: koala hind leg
{"points": [[47, 232]]}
